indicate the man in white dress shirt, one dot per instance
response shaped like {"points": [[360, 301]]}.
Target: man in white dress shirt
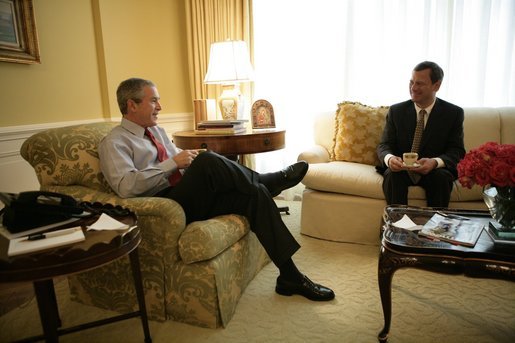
{"points": [[210, 185]]}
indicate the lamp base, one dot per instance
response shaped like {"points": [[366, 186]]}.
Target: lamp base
{"points": [[231, 102]]}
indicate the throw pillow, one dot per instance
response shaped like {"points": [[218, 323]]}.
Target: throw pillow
{"points": [[358, 132]]}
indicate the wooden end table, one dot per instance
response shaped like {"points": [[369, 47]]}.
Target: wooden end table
{"points": [[402, 248], [251, 142], [100, 247]]}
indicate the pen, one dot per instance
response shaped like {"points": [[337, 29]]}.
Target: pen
{"points": [[38, 236]]}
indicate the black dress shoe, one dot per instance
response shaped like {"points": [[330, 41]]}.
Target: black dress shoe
{"points": [[306, 288], [288, 177]]}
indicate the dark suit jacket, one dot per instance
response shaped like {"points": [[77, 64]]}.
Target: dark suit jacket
{"points": [[442, 137]]}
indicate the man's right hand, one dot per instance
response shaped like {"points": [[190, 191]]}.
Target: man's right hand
{"points": [[395, 164], [185, 157]]}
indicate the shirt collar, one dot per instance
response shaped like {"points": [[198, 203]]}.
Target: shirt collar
{"points": [[428, 108], [132, 127]]}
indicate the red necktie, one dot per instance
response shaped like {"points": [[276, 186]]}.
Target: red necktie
{"points": [[175, 177]]}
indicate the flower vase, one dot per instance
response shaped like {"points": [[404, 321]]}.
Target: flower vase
{"points": [[501, 203]]}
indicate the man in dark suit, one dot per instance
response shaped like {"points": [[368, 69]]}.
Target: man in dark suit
{"points": [[439, 150], [138, 159]]}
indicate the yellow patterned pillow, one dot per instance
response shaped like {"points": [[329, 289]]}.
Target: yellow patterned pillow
{"points": [[358, 132]]}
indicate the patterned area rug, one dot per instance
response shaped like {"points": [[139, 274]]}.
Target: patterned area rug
{"points": [[427, 307]]}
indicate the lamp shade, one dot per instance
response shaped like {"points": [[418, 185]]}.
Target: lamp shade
{"points": [[229, 63]]}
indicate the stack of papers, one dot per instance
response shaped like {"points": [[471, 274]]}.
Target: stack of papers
{"points": [[222, 127], [33, 241]]}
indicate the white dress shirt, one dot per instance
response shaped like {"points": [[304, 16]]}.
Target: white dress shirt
{"points": [[128, 160]]}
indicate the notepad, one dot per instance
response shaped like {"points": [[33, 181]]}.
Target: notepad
{"points": [[22, 245]]}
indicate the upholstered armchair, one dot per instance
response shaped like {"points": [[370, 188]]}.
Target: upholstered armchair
{"points": [[192, 273]]}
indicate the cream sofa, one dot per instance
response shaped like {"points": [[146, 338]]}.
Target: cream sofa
{"points": [[343, 200], [192, 273]]}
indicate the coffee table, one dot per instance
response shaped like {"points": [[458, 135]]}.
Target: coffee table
{"points": [[402, 248], [100, 247]]}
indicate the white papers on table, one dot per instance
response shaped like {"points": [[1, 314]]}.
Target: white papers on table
{"points": [[105, 222], [406, 223], [52, 239]]}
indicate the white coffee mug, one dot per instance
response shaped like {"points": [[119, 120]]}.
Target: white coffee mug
{"points": [[410, 158]]}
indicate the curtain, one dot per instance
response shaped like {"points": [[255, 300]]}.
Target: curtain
{"points": [[210, 21], [312, 54]]}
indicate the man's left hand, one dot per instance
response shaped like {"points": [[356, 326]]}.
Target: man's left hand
{"points": [[426, 165]]}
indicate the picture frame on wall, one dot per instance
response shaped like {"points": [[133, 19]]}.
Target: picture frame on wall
{"points": [[18, 35], [262, 115]]}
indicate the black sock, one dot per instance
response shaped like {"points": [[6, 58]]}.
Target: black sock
{"points": [[288, 271]]}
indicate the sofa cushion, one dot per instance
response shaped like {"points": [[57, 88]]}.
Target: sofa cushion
{"points": [[203, 240], [362, 180], [345, 177], [358, 130]]}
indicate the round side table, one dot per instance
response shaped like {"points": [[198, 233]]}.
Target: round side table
{"points": [[99, 247]]}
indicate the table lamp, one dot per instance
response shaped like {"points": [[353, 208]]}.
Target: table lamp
{"points": [[229, 65]]}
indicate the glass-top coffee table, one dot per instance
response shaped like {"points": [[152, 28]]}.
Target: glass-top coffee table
{"points": [[401, 248]]}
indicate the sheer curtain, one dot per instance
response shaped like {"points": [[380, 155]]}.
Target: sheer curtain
{"points": [[309, 55]]}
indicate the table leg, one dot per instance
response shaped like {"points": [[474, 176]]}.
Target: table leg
{"points": [[384, 275], [48, 311], [136, 273]]}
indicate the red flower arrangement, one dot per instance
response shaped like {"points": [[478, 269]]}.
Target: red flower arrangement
{"points": [[490, 164]]}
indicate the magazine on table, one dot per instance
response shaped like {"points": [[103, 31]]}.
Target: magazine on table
{"points": [[461, 231]]}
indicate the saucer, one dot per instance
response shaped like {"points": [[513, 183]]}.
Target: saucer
{"points": [[414, 165]]}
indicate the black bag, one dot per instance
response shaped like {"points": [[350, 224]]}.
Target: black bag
{"points": [[28, 210]]}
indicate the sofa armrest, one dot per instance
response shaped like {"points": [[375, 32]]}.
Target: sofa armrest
{"points": [[315, 154]]}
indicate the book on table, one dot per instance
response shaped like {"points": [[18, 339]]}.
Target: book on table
{"points": [[501, 232], [221, 127], [220, 131], [499, 236], [461, 231], [226, 122]]}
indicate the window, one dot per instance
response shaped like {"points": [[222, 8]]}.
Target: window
{"points": [[311, 55]]}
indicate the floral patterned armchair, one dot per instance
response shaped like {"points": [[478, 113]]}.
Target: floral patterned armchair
{"points": [[192, 273]]}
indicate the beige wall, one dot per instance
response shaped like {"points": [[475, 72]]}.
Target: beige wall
{"points": [[87, 47]]}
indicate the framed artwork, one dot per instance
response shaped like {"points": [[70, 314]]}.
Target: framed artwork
{"points": [[18, 36], [262, 115]]}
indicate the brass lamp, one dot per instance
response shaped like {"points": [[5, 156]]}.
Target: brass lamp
{"points": [[229, 65]]}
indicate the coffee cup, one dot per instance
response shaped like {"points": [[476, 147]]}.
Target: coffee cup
{"points": [[410, 158]]}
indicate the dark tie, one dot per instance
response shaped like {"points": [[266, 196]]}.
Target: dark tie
{"points": [[175, 177], [415, 177]]}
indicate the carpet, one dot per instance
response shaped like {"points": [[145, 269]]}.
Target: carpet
{"points": [[427, 307]]}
